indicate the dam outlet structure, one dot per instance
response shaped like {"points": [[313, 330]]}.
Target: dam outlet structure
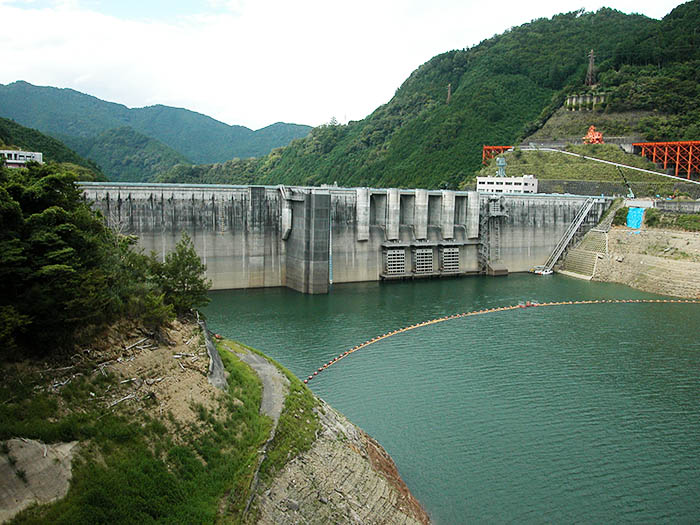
{"points": [[306, 238]]}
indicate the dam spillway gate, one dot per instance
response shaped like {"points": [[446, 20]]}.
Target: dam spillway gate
{"points": [[266, 236]]}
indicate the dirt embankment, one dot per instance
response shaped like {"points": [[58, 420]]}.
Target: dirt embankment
{"points": [[660, 261]]}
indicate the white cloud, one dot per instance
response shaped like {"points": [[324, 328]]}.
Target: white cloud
{"points": [[254, 62]]}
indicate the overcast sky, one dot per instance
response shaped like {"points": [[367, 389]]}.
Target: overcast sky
{"points": [[254, 62]]}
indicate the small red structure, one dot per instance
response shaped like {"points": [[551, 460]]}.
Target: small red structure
{"points": [[593, 136], [683, 155], [489, 152]]}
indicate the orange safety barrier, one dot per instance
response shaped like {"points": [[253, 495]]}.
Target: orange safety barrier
{"points": [[683, 155], [528, 304]]}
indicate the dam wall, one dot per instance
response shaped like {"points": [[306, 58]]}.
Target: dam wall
{"points": [[306, 238]]}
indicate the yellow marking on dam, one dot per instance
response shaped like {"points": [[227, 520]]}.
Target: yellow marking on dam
{"points": [[483, 312]]}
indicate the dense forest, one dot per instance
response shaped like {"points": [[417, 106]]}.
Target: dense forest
{"points": [[63, 273], [151, 139], [12, 135], [127, 155], [501, 91]]}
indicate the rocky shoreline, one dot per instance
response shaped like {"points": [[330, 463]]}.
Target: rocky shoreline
{"points": [[346, 477]]}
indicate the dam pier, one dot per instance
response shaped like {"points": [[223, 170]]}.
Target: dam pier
{"points": [[305, 238]]}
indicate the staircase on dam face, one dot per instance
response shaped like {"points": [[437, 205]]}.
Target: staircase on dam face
{"points": [[566, 238], [582, 260]]}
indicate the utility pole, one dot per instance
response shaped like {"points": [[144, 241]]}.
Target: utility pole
{"points": [[449, 92], [590, 74]]}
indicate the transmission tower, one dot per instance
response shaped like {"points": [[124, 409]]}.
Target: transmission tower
{"points": [[590, 74]]}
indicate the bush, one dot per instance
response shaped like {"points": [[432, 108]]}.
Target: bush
{"points": [[652, 217], [690, 222], [621, 216]]}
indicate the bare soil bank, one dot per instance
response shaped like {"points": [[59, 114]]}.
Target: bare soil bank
{"points": [[666, 262]]}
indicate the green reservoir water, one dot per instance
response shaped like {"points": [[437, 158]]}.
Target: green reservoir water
{"points": [[586, 413]]}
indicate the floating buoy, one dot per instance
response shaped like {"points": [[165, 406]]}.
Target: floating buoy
{"points": [[486, 311]]}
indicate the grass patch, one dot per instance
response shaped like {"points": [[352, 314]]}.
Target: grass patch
{"points": [[296, 430], [297, 426], [130, 468], [557, 166]]}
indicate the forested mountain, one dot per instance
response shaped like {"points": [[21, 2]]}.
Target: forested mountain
{"points": [[83, 121], [501, 90], [126, 155], [14, 135]]}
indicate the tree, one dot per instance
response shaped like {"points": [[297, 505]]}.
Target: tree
{"points": [[181, 277]]}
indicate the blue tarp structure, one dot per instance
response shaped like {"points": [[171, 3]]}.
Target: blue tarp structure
{"points": [[634, 218]]}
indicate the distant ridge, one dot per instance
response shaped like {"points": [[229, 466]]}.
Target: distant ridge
{"points": [[179, 135]]}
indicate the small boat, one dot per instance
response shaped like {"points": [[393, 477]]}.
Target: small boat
{"points": [[542, 271]]}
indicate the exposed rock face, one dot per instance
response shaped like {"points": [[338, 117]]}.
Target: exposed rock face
{"points": [[346, 477], [37, 473]]}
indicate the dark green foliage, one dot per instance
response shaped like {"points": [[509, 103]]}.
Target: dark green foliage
{"points": [[127, 155], [690, 222], [652, 216], [62, 271], [92, 126], [620, 218], [12, 134], [181, 277]]}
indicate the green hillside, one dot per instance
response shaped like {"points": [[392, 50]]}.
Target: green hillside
{"points": [[14, 135], [550, 165], [502, 90], [77, 118], [127, 155]]}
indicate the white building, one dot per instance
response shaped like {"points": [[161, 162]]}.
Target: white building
{"points": [[524, 184], [17, 159]]}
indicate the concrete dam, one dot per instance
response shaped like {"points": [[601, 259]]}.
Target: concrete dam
{"points": [[305, 238]]}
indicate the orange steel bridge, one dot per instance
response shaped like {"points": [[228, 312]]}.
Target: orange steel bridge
{"points": [[684, 156], [489, 152]]}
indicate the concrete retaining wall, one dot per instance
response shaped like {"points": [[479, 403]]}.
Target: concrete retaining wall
{"points": [[641, 189], [678, 206]]}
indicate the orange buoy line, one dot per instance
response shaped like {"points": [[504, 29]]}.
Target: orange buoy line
{"points": [[528, 304]]}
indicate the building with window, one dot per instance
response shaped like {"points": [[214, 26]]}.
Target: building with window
{"points": [[524, 184], [14, 158]]}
